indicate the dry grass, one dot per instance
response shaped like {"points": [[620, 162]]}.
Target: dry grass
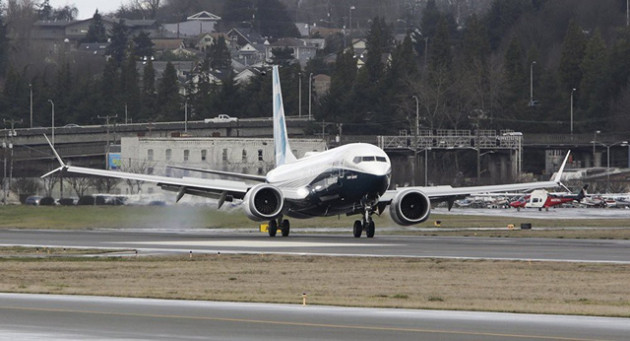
{"points": [[536, 287]]}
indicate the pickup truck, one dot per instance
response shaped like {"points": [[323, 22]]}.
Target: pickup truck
{"points": [[221, 119]]}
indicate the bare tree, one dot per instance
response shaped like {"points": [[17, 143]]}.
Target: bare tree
{"points": [[141, 167], [104, 185], [49, 183], [79, 184], [148, 8]]}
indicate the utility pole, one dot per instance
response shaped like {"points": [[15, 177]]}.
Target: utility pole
{"points": [[30, 87], [106, 118], [12, 133]]}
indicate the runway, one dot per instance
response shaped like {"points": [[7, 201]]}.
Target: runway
{"points": [[219, 241], [53, 317]]}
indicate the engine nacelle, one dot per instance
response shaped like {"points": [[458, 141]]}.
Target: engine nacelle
{"points": [[410, 206], [263, 202]]}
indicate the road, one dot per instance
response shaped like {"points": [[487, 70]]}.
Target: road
{"points": [[53, 317], [215, 241]]}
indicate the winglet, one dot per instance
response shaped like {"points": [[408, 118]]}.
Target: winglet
{"points": [[559, 174], [62, 164], [281, 141]]}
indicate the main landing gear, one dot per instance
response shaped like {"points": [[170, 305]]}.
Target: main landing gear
{"points": [[366, 224], [281, 224]]}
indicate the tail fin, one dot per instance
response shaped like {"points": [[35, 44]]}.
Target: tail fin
{"points": [[582, 193], [280, 138]]}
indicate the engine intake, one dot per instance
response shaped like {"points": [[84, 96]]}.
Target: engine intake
{"points": [[410, 206], [263, 202]]}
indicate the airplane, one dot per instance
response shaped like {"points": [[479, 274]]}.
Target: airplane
{"points": [[351, 179], [542, 199]]}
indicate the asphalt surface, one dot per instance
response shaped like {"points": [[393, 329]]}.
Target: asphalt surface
{"points": [[53, 317], [215, 241]]}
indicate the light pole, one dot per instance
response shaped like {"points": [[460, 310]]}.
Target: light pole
{"points": [[310, 92], [479, 155], [531, 83], [595, 133], [350, 24], [30, 88], [53, 120], [572, 90], [415, 141], [300, 94], [619, 143]]}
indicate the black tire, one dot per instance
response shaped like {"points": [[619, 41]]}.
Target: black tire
{"points": [[357, 229], [285, 228], [273, 228], [370, 229]]}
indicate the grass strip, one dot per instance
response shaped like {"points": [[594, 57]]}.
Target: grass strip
{"points": [[505, 286]]}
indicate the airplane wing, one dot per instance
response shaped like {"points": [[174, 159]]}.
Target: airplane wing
{"points": [[258, 178], [448, 193], [223, 190]]}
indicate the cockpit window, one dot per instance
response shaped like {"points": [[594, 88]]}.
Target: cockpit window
{"points": [[359, 159]]}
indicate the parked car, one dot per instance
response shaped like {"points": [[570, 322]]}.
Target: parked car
{"points": [[32, 200], [221, 119]]}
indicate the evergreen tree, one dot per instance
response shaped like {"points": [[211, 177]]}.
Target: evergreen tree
{"points": [[219, 54], [282, 56], [515, 71], [130, 86], [148, 90], [441, 57], [168, 99], [4, 47], [119, 41], [573, 49], [143, 45], [336, 105], [96, 32], [109, 88], [594, 96], [430, 18]]}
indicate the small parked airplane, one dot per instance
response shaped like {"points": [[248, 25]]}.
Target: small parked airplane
{"points": [[352, 179], [542, 199]]}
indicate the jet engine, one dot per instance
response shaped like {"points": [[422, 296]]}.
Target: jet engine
{"points": [[263, 202], [410, 206]]}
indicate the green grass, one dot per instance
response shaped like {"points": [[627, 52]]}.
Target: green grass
{"points": [[181, 216]]}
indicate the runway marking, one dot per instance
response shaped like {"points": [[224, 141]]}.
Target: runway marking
{"points": [[253, 243], [305, 324]]}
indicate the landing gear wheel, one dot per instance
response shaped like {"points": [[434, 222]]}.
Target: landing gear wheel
{"points": [[285, 227], [369, 229], [357, 229], [273, 228]]}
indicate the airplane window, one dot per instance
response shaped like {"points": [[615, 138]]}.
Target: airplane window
{"points": [[381, 159], [368, 158], [356, 159]]}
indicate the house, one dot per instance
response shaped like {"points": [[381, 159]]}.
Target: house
{"points": [[75, 31], [302, 51], [242, 36], [195, 25]]}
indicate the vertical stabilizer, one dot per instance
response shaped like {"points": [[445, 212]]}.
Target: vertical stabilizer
{"points": [[280, 137]]}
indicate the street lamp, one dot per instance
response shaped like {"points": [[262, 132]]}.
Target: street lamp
{"points": [[53, 120], [595, 133], [300, 94], [479, 155], [30, 88], [619, 143], [310, 92], [531, 83], [352, 8], [572, 90]]}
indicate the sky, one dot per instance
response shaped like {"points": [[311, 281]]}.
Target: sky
{"points": [[87, 7]]}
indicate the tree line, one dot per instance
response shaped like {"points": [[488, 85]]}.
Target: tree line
{"points": [[513, 66]]}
